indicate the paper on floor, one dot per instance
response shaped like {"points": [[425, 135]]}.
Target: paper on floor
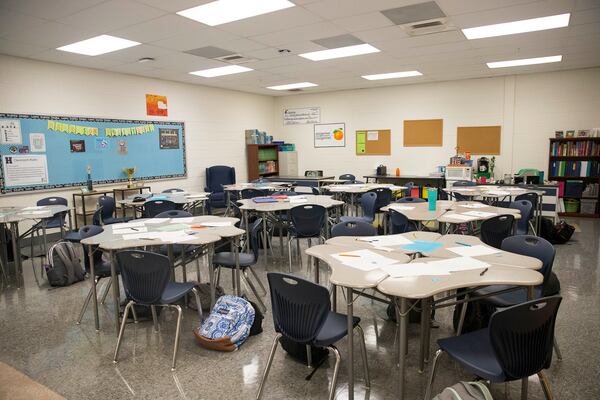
{"points": [[473, 251]]}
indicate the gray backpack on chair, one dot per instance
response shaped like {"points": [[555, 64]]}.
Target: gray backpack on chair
{"points": [[64, 267], [465, 391]]}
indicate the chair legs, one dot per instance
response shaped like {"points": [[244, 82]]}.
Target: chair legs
{"points": [[336, 371], [432, 375], [290, 253], [262, 287], [122, 329], [86, 302], [363, 351], [253, 288], [177, 332], [106, 290], [557, 350], [545, 386], [154, 318], [198, 303], [268, 366]]}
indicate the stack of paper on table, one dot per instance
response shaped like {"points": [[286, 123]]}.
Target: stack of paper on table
{"points": [[365, 260], [297, 199], [474, 205], [460, 217], [156, 221], [185, 220], [124, 225], [400, 207], [481, 214], [386, 240], [441, 267], [473, 251], [498, 192], [422, 246], [124, 231], [216, 223], [172, 227], [169, 237]]}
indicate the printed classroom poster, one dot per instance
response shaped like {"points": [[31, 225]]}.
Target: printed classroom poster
{"points": [[330, 135], [169, 138], [23, 170], [156, 105], [299, 116]]}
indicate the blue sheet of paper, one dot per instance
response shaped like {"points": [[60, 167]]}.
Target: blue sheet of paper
{"points": [[422, 246]]}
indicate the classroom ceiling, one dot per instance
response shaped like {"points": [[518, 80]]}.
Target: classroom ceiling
{"points": [[35, 28]]}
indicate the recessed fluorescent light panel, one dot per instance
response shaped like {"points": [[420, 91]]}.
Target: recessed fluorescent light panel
{"points": [[224, 11], [340, 52], [524, 61], [220, 71], [511, 28], [392, 75], [293, 86], [98, 45]]}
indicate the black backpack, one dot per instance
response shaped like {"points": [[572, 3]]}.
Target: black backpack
{"points": [[64, 266], [556, 234]]}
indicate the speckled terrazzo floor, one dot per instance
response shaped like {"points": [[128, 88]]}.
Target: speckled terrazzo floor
{"points": [[38, 336]]}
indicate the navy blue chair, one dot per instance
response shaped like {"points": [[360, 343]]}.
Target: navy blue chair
{"points": [[97, 217], [145, 278], [285, 193], [494, 230], [101, 266], [384, 197], [302, 313], [154, 207], [353, 228], [516, 344], [251, 193], [316, 191], [226, 259], [524, 207], [533, 198], [349, 178], [411, 200], [464, 183], [307, 222], [408, 190], [216, 177], [109, 208], [173, 190], [400, 224], [174, 214], [368, 202]]}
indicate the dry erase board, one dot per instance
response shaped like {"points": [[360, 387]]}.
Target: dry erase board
{"points": [[45, 152]]}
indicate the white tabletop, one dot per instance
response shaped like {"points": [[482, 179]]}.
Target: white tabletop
{"points": [[286, 204], [446, 208], [492, 191], [360, 187], [175, 197], [16, 214], [238, 187]]}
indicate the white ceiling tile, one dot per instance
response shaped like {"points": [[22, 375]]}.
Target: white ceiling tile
{"points": [[294, 48], [111, 15], [206, 37], [173, 5], [436, 39], [363, 22], [62, 57], [183, 62], [132, 54], [242, 45], [308, 32], [13, 22], [272, 22], [387, 33], [159, 28], [51, 35], [19, 49], [455, 7], [49, 9], [331, 9], [586, 4]]}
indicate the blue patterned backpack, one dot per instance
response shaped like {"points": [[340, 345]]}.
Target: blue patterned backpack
{"points": [[228, 325]]}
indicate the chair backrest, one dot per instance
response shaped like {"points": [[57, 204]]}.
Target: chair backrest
{"points": [[524, 207], [174, 214], [308, 219], [496, 229], [173, 190], [300, 307], [408, 190], [522, 336], [464, 183], [217, 176], [255, 229], [251, 193], [368, 202], [52, 201], [533, 199], [384, 197], [398, 222], [145, 275], [532, 246], [108, 206], [97, 217], [315, 191], [154, 207], [347, 177], [353, 228], [86, 232], [411, 200]]}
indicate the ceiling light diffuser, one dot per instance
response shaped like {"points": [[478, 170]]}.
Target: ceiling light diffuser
{"points": [[220, 71], [392, 75], [340, 52], [524, 61], [224, 11], [511, 28], [98, 45], [293, 86]]}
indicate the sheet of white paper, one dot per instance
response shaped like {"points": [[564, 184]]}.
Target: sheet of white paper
{"points": [[481, 214], [33, 208], [460, 217], [216, 223], [474, 205], [297, 199], [498, 193], [463, 190], [156, 221], [401, 208], [365, 260], [10, 131], [124, 225], [473, 251], [144, 235], [125, 231], [185, 220], [35, 212], [25, 169], [387, 240], [442, 267], [372, 135], [37, 142]]}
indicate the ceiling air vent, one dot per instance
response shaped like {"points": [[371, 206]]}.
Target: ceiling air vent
{"points": [[419, 19], [216, 53], [427, 27]]}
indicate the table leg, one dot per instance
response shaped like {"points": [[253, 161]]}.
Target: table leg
{"points": [[402, 341], [350, 319], [428, 329], [424, 323], [238, 286], [264, 235], [16, 243], [115, 288], [94, 289], [228, 195], [316, 268], [211, 274], [246, 218]]}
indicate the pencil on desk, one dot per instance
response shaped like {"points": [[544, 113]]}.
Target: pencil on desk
{"points": [[348, 255]]}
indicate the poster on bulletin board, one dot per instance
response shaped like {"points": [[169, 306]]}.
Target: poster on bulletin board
{"points": [[330, 135], [47, 152]]}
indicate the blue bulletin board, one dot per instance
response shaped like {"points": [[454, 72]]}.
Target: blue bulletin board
{"points": [[45, 152]]}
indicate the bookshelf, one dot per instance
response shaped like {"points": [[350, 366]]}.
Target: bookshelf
{"points": [[263, 160], [574, 160]]}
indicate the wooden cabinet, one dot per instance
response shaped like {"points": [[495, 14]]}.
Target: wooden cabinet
{"points": [[263, 161]]}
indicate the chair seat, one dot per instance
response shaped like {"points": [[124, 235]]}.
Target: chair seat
{"points": [[73, 236], [346, 218], [116, 220], [334, 328], [227, 259], [522, 231], [102, 269], [178, 249], [507, 299], [294, 233], [475, 353], [50, 223], [176, 290]]}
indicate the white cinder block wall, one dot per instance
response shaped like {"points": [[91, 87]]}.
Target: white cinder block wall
{"points": [[528, 107], [215, 119]]}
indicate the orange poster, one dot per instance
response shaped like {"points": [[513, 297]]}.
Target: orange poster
{"points": [[156, 105]]}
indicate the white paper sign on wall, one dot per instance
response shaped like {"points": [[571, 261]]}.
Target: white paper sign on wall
{"points": [[22, 170], [299, 116], [330, 135]]}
